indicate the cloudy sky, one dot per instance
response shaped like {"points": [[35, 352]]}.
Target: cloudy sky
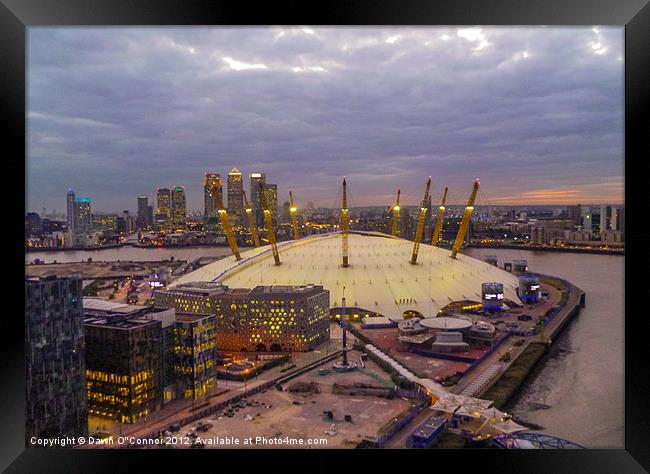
{"points": [[536, 113]]}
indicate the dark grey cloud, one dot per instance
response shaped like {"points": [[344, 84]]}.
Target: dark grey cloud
{"points": [[536, 113]]}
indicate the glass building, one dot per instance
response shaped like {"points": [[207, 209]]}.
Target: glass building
{"points": [[54, 358], [236, 196], [178, 210]]}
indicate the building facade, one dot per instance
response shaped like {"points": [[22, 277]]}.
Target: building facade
{"points": [[70, 210], [123, 366], [256, 197], [195, 353], [236, 197], [210, 182], [83, 215], [54, 358], [163, 211], [271, 197], [178, 210], [266, 318]]}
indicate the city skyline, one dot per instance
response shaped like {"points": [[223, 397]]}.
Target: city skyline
{"points": [[137, 109]]}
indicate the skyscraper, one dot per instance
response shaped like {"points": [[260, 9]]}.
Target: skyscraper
{"points": [[256, 198], [209, 201], [70, 209], [586, 219], [179, 211], [142, 220], [54, 358], [82, 214], [605, 217], [271, 196], [163, 212], [236, 196]]}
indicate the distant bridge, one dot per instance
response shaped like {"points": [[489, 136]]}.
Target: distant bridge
{"points": [[527, 440]]}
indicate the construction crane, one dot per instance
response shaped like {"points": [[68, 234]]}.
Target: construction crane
{"points": [[268, 219], [437, 231], [294, 217], [458, 243], [344, 225], [420, 229], [251, 221], [223, 216], [395, 229]]}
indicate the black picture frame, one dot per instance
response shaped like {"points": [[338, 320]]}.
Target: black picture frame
{"points": [[18, 15]]}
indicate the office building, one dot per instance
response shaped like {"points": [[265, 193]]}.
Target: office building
{"points": [[236, 197], [195, 353], [82, 214], [33, 225], [211, 181], [256, 197], [142, 220], [54, 358], [271, 196], [266, 318], [124, 369], [178, 210], [586, 219], [70, 199], [163, 211]]}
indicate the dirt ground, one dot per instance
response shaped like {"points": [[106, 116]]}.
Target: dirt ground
{"points": [[291, 417]]}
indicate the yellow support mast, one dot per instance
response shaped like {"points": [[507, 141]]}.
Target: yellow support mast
{"points": [[458, 243], [293, 211], [268, 219], [345, 225], [437, 231], [223, 215], [395, 228], [420, 229], [251, 221]]}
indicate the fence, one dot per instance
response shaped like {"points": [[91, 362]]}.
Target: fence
{"points": [[390, 429]]}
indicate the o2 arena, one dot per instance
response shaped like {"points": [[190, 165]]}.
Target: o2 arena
{"points": [[379, 280], [380, 273]]}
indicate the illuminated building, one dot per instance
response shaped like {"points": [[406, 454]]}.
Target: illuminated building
{"points": [[71, 209], [54, 358], [381, 283], [178, 211], [529, 289], [102, 221], [236, 196], [271, 196], [124, 361], [210, 180], [256, 198], [266, 318], [492, 296], [163, 211], [195, 353], [82, 215]]}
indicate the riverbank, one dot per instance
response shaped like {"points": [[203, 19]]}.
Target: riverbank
{"points": [[609, 251], [511, 380]]}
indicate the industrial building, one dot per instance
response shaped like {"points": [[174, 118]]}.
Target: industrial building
{"points": [[54, 358], [266, 318]]}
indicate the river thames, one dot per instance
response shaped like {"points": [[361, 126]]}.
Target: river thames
{"points": [[577, 390]]}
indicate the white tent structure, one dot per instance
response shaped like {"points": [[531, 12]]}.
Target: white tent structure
{"points": [[380, 278]]}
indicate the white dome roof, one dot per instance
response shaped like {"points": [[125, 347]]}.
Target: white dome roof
{"points": [[380, 277]]}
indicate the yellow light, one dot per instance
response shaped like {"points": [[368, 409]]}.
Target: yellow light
{"points": [[293, 209], [396, 208]]}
